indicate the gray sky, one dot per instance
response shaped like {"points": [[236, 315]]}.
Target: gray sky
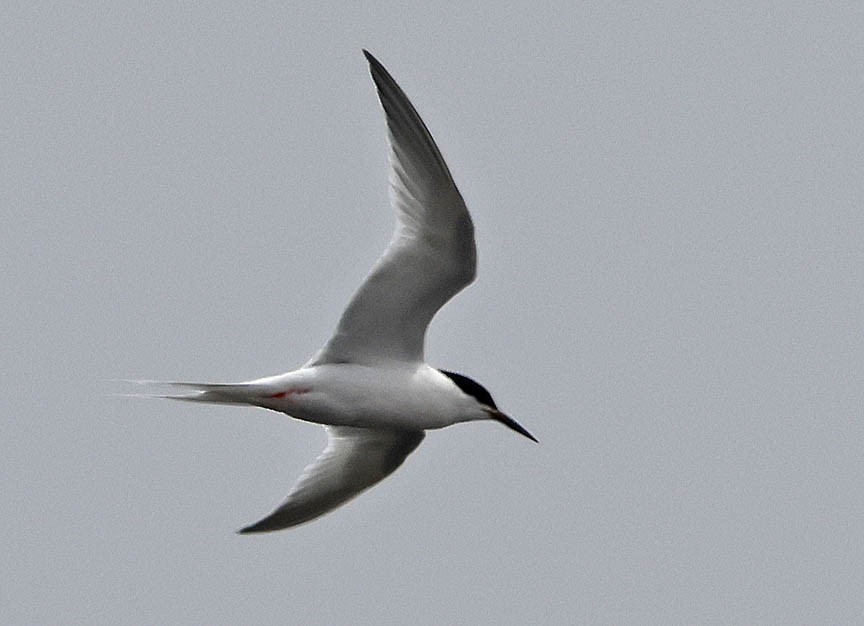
{"points": [[670, 296]]}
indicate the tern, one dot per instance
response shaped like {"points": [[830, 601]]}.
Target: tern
{"points": [[369, 386]]}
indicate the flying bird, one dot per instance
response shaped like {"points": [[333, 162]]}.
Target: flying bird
{"points": [[369, 386]]}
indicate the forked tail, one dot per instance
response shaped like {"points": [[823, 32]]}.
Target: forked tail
{"points": [[209, 393]]}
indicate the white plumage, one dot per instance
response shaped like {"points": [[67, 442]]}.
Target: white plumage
{"points": [[369, 385]]}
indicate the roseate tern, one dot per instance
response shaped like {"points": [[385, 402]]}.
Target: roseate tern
{"points": [[369, 386]]}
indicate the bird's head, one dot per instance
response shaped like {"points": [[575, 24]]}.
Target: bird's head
{"points": [[487, 405]]}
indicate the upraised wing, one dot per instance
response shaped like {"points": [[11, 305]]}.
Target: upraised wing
{"points": [[354, 460], [431, 256]]}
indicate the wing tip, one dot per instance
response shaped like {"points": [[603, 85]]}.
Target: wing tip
{"points": [[261, 526], [369, 56], [271, 523], [377, 69]]}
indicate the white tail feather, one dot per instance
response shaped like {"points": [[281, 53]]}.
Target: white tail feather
{"points": [[211, 393]]}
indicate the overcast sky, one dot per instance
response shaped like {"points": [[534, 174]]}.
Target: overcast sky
{"points": [[668, 203]]}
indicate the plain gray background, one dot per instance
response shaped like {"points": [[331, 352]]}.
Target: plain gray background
{"points": [[669, 220]]}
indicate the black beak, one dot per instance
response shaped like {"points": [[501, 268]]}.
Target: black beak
{"points": [[509, 422]]}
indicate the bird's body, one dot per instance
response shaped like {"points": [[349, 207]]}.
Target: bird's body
{"points": [[370, 385], [401, 396]]}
